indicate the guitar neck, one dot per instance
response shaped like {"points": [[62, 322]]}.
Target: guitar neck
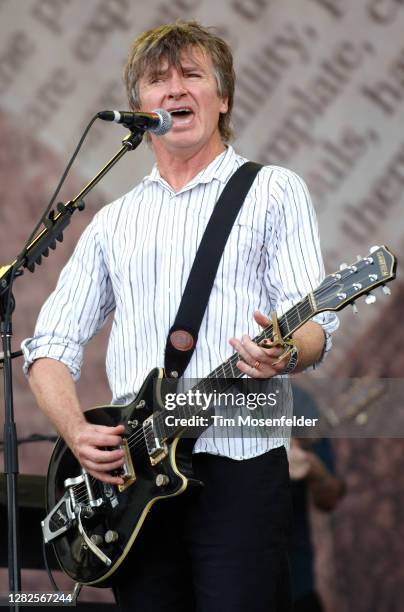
{"points": [[220, 379]]}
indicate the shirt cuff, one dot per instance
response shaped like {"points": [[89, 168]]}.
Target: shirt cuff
{"points": [[60, 349], [330, 323]]}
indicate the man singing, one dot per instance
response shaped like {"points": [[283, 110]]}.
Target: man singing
{"points": [[222, 548]]}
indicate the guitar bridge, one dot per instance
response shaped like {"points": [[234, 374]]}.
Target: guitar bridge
{"points": [[155, 449]]}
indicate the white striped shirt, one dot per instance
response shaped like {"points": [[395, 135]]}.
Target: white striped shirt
{"points": [[134, 259]]}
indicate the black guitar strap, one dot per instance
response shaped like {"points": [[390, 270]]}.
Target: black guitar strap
{"points": [[183, 335]]}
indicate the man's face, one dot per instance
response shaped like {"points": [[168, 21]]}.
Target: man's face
{"points": [[190, 94]]}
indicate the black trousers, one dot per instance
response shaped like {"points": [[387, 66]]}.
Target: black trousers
{"points": [[310, 602], [221, 548]]}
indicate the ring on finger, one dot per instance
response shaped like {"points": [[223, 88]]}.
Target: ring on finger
{"points": [[257, 365]]}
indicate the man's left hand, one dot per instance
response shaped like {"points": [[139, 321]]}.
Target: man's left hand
{"points": [[257, 361]]}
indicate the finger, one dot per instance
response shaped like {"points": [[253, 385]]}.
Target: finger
{"points": [[109, 441], [252, 371], [94, 438], [109, 429], [105, 467], [247, 350], [261, 319], [259, 352], [89, 453], [105, 477], [115, 432]]}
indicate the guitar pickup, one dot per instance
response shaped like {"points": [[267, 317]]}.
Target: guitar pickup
{"points": [[127, 471], [155, 449]]}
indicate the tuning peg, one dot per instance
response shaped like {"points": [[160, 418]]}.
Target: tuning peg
{"points": [[343, 266], [354, 308], [361, 418], [370, 298], [386, 290], [373, 249], [358, 258]]}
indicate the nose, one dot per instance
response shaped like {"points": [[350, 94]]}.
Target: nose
{"points": [[177, 86]]}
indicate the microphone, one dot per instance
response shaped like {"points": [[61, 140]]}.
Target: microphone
{"points": [[158, 122]]}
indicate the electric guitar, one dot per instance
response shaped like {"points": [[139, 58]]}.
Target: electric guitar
{"points": [[93, 525]]}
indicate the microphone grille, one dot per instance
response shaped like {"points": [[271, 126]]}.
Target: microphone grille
{"points": [[166, 122]]}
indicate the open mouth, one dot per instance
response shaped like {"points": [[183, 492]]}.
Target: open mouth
{"points": [[181, 114]]}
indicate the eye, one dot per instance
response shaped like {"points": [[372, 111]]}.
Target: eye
{"points": [[158, 78]]}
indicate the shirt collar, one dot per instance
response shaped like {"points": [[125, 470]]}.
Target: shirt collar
{"points": [[220, 169]]}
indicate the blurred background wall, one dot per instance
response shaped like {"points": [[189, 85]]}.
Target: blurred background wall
{"points": [[320, 89]]}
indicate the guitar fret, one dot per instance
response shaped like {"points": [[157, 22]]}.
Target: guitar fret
{"points": [[231, 368], [284, 327]]}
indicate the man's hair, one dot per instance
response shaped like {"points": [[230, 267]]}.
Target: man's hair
{"points": [[168, 42]]}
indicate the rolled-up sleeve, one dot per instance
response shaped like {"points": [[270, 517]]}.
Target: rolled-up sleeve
{"points": [[77, 308], [295, 262]]}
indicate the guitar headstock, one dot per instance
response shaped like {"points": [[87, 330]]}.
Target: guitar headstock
{"points": [[350, 282]]}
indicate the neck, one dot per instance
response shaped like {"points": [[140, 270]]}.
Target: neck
{"points": [[179, 167]]}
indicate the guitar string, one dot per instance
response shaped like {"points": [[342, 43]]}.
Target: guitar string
{"points": [[137, 439]]}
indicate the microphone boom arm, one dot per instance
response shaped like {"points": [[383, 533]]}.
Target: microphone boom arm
{"points": [[55, 224]]}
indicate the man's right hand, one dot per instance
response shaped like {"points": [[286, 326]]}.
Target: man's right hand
{"points": [[55, 392], [88, 443]]}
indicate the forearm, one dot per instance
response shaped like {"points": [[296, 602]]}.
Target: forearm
{"points": [[309, 340], [55, 392]]}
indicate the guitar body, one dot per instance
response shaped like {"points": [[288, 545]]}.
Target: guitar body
{"points": [[126, 519]]}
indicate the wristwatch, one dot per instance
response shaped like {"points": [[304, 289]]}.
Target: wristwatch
{"points": [[293, 359]]}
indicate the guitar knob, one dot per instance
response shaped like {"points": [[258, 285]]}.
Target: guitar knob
{"points": [[162, 480], [343, 266], [370, 298], [97, 539], [111, 536], [354, 308], [386, 290]]}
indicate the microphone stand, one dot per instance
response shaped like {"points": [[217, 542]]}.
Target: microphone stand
{"points": [[55, 224]]}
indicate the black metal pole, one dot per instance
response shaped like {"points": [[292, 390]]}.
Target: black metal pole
{"points": [[11, 469], [32, 254]]}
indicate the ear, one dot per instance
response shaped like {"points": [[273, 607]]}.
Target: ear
{"points": [[224, 106]]}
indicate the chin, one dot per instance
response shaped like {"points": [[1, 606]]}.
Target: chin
{"points": [[183, 140]]}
